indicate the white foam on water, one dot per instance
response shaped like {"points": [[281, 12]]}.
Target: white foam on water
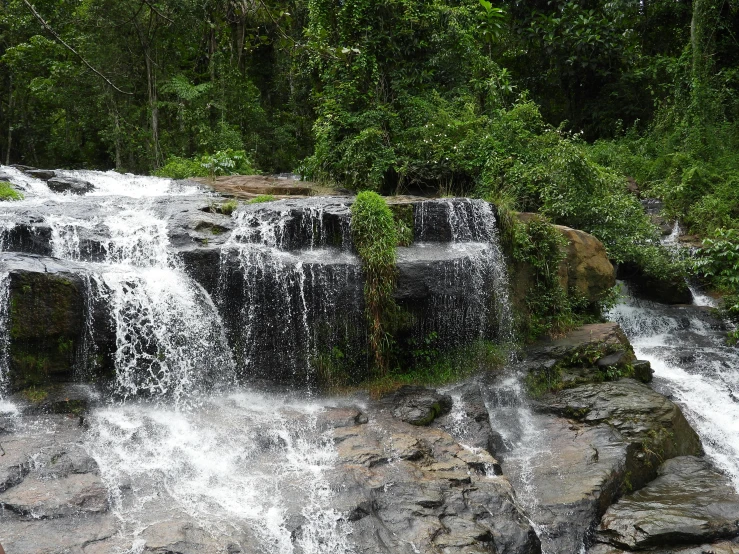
{"points": [[237, 466], [706, 387], [111, 183]]}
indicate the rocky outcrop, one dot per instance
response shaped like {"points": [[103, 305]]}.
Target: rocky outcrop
{"points": [[688, 504], [654, 428], [415, 489], [589, 273]]}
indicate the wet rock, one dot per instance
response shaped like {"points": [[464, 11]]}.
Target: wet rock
{"points": [[643, 371], [67, 496], [409, 489], [41, 174], [85, 533], [689, 503], [72, 185], [619, 359], [46, 320], [469, 421], [653, 426], [667, 290], [595, 341], [418, 405], [179, 537]]}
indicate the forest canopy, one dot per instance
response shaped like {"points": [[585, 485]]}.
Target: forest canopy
{"points": [[552, 106]]}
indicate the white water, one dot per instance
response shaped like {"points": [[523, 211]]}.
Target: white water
{"points": [[692, 364], [243, 467]]}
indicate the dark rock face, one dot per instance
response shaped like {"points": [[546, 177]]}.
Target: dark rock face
{"points": [[689, 503], [46, 321], [667, 291], [70, 184]]}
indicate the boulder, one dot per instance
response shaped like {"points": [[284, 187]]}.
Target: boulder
{"points": [[418, 405], [589, 273], [72, 185], [654, 428], [585, 272], [690, 503]]}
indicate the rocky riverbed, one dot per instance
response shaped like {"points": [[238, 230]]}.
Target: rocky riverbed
{"points": [[618, 469]]}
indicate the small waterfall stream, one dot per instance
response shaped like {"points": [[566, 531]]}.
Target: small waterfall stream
{"points": [[687, 348]]}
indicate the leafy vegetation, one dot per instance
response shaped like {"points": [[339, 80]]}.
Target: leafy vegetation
{"points": [[225, 162], [375, 238], [7, 192], [556, 106], [262, 198]]}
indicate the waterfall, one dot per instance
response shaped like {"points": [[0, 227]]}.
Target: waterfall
{"points": [[245, 467], [687, 348], [472, 228]]}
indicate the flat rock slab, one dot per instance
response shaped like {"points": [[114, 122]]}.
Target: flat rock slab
{"points": [[51, 498], [690, 503], [249, 186], [59, 536]]}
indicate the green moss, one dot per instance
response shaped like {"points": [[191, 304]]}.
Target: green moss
{"points": [[442, 368], [227, 208], [7, 192], [262, 198], [375, 238]]}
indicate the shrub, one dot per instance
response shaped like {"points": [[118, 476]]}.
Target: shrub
{"points": [[223, 162], [7, 192], [375, 238]]}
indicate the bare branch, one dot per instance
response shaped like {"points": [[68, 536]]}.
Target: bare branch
{"points": [[68, 47]]}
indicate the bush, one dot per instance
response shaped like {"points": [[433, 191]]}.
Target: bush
{"points": [[224, 162], [7, 192], [375, 238]]}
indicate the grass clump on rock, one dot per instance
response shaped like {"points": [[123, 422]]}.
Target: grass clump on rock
{"points": [[375, 237], [7, 192]]}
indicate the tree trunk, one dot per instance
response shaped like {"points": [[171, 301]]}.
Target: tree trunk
{"points": [[703, 26], [10, 120]]}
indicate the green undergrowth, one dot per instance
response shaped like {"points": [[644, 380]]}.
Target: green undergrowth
{"points": [[7, 192], [375, 238], [433, 368], [262, 198], [35, 394], [546, 307], [223, 162]]}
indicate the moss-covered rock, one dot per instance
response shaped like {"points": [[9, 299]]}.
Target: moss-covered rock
{"points": [[46, 323]]}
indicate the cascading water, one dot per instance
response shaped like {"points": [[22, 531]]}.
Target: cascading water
{"points": [[471, 226], [249, 469], [692, 363], [301, 294]]}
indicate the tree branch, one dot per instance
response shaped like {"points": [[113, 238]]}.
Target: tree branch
{"points": [[68, 47]]}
